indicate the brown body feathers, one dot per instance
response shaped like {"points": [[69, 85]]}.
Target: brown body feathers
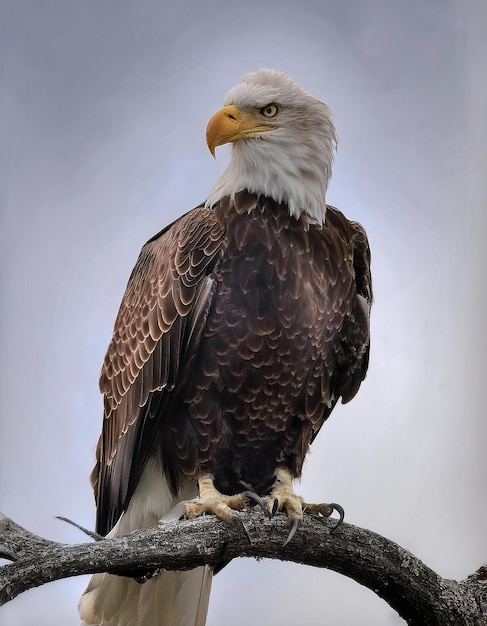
{"points": [[240, 329]]}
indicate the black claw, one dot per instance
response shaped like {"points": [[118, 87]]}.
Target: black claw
{"points": [[275, 506], [341, 512], [250, 493], [295, 525], [258, 500], [244, 528]]}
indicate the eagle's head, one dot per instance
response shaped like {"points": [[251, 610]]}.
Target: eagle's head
{"points": [[283, 143]]}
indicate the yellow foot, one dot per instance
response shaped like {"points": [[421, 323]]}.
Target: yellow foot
{"points": [[214, 502], [283, 498], [323, 510]]}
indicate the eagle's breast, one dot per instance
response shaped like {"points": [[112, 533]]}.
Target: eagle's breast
{"points": [[261, 382]]}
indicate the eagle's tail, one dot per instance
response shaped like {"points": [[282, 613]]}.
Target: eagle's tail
{"points": [[168, 599]]}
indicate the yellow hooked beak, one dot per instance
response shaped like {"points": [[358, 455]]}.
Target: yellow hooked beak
{"points": [[231, 124]]}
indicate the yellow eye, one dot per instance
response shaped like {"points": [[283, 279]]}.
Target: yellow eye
{"points": [[270, 110]]}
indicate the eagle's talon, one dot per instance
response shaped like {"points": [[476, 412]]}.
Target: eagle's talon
{"points": [[284, 499], [244, 528], [325, 510], [341, 512], [214, 502], [296, 523], [251, 495], [275, 506]]}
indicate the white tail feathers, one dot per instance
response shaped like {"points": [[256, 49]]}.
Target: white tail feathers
{"points": [[168, 599]]}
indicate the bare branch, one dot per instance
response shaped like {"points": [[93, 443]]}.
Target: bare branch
{"points": [[415, 591]]}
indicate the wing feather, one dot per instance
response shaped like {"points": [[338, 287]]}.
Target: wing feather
{"points": [[347, 315], [156, 332], [356, 332]]}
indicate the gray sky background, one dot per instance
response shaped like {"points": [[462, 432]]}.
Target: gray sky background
{"points": [[103, 108]]}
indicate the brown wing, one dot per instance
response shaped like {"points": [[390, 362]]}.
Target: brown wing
{"points": [[352, 357], [156, 332], [357, 328]]}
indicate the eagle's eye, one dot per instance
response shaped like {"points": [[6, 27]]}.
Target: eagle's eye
{"points": [[270, 110]]}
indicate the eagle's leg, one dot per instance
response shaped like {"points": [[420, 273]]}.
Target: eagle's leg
{"points": [[213, 501], [283, 498]]}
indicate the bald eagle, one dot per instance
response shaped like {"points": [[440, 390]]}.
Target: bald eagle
{"points": [[242, 325]]}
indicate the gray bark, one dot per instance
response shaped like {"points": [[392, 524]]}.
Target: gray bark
{"points": [[415, 591]]}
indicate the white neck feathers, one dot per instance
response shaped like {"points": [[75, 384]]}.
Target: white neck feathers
{"points": [[291, 164]]}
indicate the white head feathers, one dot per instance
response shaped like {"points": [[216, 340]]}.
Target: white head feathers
{"points": [[292, 163]]}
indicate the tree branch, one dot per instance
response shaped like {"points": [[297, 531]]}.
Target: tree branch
{"points": [[415, 591]]}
